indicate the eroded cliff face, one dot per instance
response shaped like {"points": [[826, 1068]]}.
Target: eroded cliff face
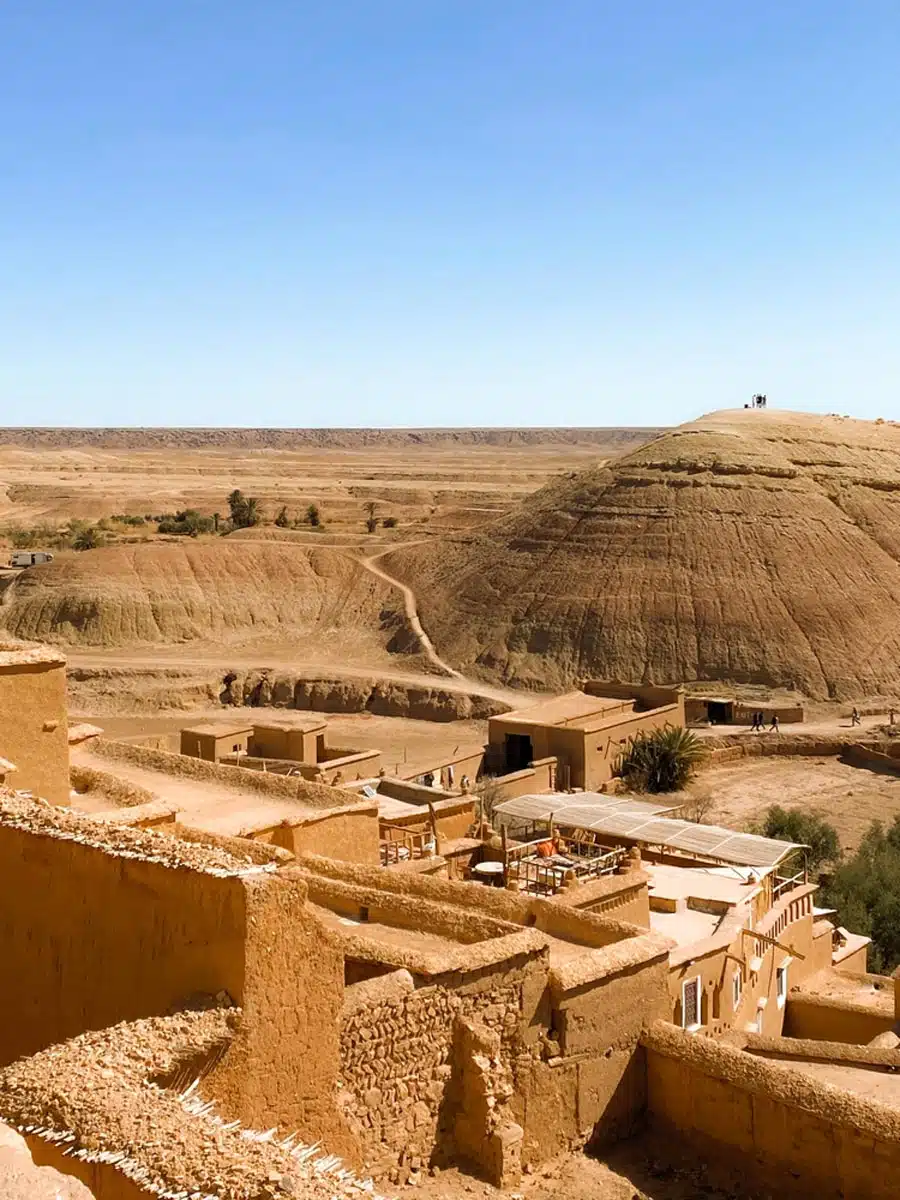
{"points": [[165, 593], [746, 547]]}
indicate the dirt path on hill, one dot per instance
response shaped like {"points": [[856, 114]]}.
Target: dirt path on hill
{"points": [[412, 615]]}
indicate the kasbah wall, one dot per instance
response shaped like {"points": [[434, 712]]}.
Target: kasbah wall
{"points": [[111, 938], [797, 1136], [34, 720]]}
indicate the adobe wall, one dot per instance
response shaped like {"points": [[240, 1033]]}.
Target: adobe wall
{"points": [[137, 923], [399, 1066], [822, 1140], [624, 897], [833, 1015], [453, 817], [472, 900], [34, 720], [274, 741], [121, 793], [469, 762], [716, 960], [106, 1107], [567, 1064], [104, 938], [283, 1065], [539, 777], [590, 1087], [647, 695], [184, 767], [349, 833]]}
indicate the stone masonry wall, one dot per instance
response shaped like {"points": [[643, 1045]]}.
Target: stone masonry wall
{"points": [[398, 1064]]}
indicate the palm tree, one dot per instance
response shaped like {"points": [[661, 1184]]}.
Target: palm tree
{"points": [[662, 760]]}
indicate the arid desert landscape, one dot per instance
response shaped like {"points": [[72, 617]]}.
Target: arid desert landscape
{"points": [[468, 812]]}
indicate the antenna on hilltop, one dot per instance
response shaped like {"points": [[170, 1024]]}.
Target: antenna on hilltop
{"points": [[758, 401]]}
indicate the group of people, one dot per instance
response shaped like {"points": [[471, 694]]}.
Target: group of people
{"points": [[758, 724]]}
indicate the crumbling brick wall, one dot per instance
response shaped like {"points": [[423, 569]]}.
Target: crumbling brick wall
{"points": [[397, 1056]]}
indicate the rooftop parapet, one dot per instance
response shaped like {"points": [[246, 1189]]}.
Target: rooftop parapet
{"points": [[44, 820], [17, 653], [104, 1101]]}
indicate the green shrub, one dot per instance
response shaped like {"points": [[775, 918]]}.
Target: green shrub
{"points": [[245, 510], [865, 890], [389, 522], [187, 523], [661, 760], [283, 520], [806, 829], [88, 538]]}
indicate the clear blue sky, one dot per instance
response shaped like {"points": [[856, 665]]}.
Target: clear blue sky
{"points": [[437, 212]]}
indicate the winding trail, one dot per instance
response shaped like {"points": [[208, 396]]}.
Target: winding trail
{"points": [[412, 615]]}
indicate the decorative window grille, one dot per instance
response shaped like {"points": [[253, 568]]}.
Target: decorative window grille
{"points": [[690, 1003], [737, 989]]}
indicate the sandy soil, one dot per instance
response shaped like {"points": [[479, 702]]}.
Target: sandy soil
{"points": [[642, 1169], [405, 744], [444, 485], [850, 797]]}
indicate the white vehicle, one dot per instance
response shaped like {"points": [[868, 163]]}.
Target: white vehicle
{"points": [[29, 558]]}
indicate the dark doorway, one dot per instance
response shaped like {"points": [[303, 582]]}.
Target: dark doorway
{"points": [[518, 751], [720, 712]]}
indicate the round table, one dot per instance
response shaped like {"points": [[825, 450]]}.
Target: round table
{"points": [[490, 873]]}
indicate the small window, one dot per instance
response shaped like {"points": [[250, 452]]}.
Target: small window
{"points": [[737, 989], [235, 749], [781, 983], [690, 1003]]}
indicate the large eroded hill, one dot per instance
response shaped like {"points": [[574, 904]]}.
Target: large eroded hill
{"points": [[749, 546], [215, 591]]}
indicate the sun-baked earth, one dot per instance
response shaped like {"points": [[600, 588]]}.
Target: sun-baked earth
{"points": [[748, 547]]}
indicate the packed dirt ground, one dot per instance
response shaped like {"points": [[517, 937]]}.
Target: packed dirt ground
{"points": [[404, 743], [647, 1168], [850, 798]]}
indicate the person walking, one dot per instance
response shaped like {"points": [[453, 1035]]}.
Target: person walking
{"points": [[774, 726], [855, 718]]}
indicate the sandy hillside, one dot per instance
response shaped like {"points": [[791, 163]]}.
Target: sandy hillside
{"points": [[747, 546], [214, 590]]}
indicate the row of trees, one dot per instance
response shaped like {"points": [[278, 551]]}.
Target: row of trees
{"points": [[243, 513]]}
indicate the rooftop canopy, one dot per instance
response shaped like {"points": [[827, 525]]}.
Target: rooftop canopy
{"points": [[580, 809], [644, 822]]}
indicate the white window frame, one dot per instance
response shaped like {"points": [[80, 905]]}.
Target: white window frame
{"points": [[781, 983], [694, 982], [737, 989]]}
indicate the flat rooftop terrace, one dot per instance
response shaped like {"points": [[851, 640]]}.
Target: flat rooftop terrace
{"points": [[570, 709], [204, 804], [879, 1083], [686, 926], [723, 884]]}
